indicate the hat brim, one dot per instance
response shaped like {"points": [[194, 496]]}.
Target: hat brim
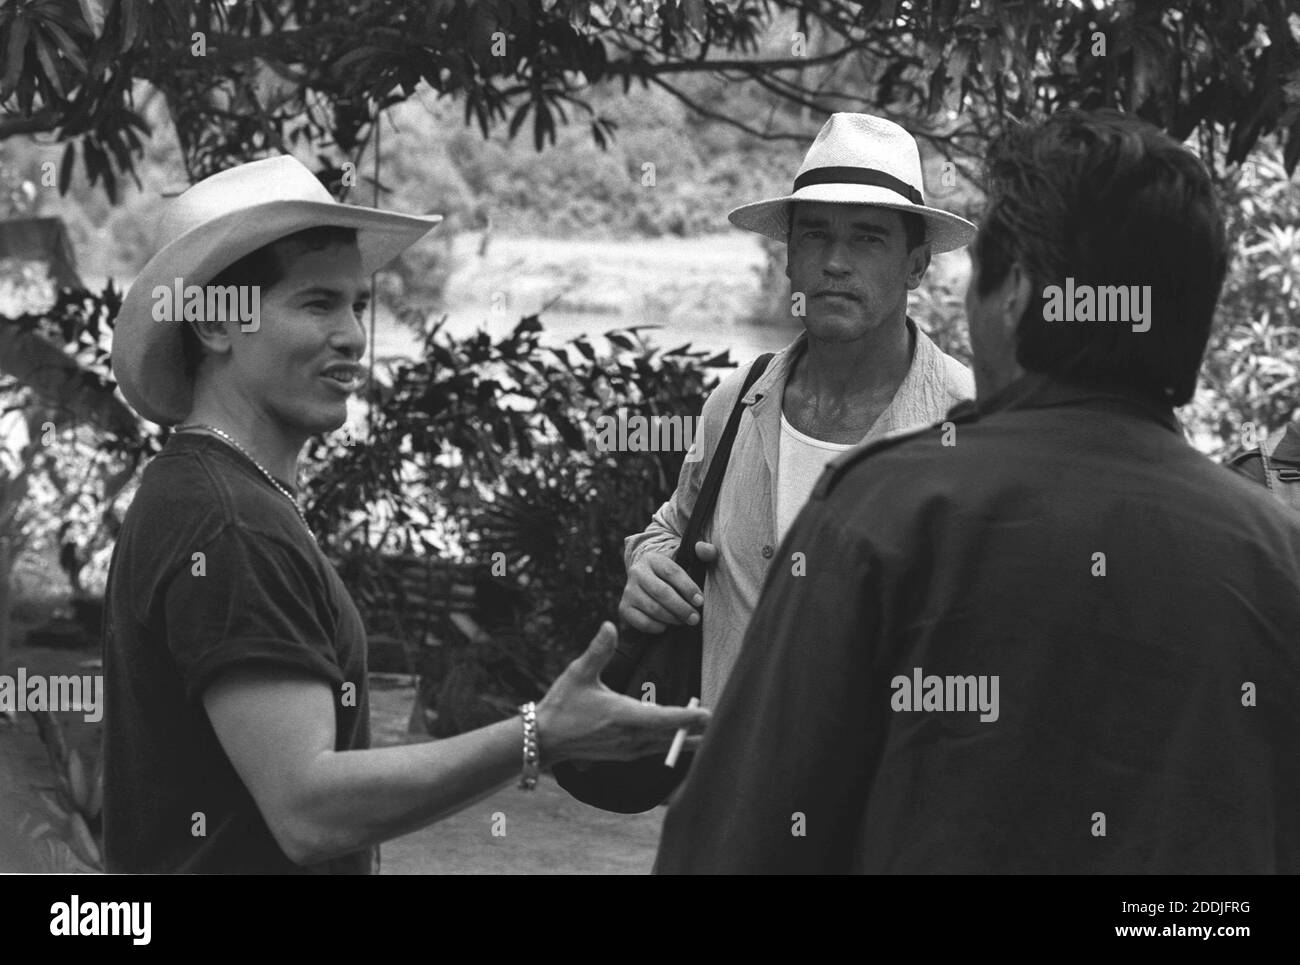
{"points": [[943, 232], [148, 359]]}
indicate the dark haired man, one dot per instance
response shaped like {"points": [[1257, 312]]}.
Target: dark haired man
{"points": [[1051, 637], [858, 238], [237, 732]]}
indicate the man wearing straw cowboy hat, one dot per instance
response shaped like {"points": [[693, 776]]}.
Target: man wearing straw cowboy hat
{"points": [[859, 237], [236, 732]]}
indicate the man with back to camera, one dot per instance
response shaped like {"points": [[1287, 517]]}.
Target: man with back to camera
{"points": [[1055, 638]]}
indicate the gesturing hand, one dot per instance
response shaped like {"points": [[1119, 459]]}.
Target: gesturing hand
{"points": [[582, 719]]}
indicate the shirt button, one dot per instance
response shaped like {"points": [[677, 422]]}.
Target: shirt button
{"points": [[767, 552]]}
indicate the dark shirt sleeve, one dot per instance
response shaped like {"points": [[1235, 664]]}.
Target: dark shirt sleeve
{"points": [[250, 598], [779, 784]]}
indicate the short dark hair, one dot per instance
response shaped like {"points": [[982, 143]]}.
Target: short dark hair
{"points": [[913, 228], [265, 267], [1106, 199]]}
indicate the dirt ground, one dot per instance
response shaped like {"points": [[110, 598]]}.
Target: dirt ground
{"points": [[544, 832]]}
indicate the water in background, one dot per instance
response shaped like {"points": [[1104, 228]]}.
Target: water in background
{"points": [[700, 291]]}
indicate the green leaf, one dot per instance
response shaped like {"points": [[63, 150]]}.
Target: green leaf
{"points": [[83, 842], [518, 119], [15, 51], [46, 55], [130, 24], [93, 11], [542, 125], [65, 168], [77, 782], [53, 804], [67, 45]]}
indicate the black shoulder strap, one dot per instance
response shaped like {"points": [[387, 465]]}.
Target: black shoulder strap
{"points": [[708, 497]]}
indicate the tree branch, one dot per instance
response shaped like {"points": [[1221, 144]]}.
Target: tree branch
{"points": [[643, 68], [46, 119], [725, 119]]}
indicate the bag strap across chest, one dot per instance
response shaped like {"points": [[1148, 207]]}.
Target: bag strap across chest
{"points": [[708, 497]]}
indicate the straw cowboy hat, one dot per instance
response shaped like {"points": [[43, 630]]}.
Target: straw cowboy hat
{"points": [[210, 227], [859, 159]]}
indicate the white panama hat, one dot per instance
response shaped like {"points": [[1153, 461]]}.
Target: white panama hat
{"points": [[859, 159], [208, 228]]}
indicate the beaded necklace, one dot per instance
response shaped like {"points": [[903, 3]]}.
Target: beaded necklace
{"points": [[260, 468]]}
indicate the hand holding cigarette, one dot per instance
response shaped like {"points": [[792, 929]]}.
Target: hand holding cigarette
{"points": [[679, 738]]}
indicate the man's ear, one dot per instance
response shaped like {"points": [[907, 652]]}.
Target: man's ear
{"points": [[918, 262], [212, 335], [1014, 295]]}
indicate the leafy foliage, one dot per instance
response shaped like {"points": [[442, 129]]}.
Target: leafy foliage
{"points": [[76, 841], [85, 444], [1250, 382], [485, 451], [246, 78]]}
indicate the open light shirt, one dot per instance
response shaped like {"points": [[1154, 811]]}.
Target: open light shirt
{"points": [[744, 524]]}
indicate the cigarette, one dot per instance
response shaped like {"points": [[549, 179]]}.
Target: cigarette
{"points": [[679, 738]]}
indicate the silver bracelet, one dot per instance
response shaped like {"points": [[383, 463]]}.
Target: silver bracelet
{"points": [[528, 780]]}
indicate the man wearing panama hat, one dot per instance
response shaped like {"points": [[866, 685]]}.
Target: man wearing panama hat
{"points": [[859, 237], [1048, 636], [236, 731]]}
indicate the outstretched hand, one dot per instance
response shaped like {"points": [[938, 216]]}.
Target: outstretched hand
{"points": [[582, 719]]}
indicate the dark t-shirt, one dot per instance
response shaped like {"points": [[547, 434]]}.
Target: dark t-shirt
{"points": [[213, 569]]}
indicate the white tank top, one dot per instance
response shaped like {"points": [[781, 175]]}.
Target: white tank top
{"points": [[800, 461]]}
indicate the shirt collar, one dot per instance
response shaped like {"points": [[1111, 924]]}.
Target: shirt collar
{"points": [[1036, 390], [1288, 449], [777, 370], [925, 368]]}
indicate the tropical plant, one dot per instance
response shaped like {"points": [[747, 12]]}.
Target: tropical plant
{"points": [[84, 444], [76, 805], [488, 453], [1250, 382]]}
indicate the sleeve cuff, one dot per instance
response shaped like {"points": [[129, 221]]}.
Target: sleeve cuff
{"points": [[237, 653]]}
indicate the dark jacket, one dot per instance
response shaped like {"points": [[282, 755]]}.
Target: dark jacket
{"points": [[1275, 465], [1138, 605]]}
